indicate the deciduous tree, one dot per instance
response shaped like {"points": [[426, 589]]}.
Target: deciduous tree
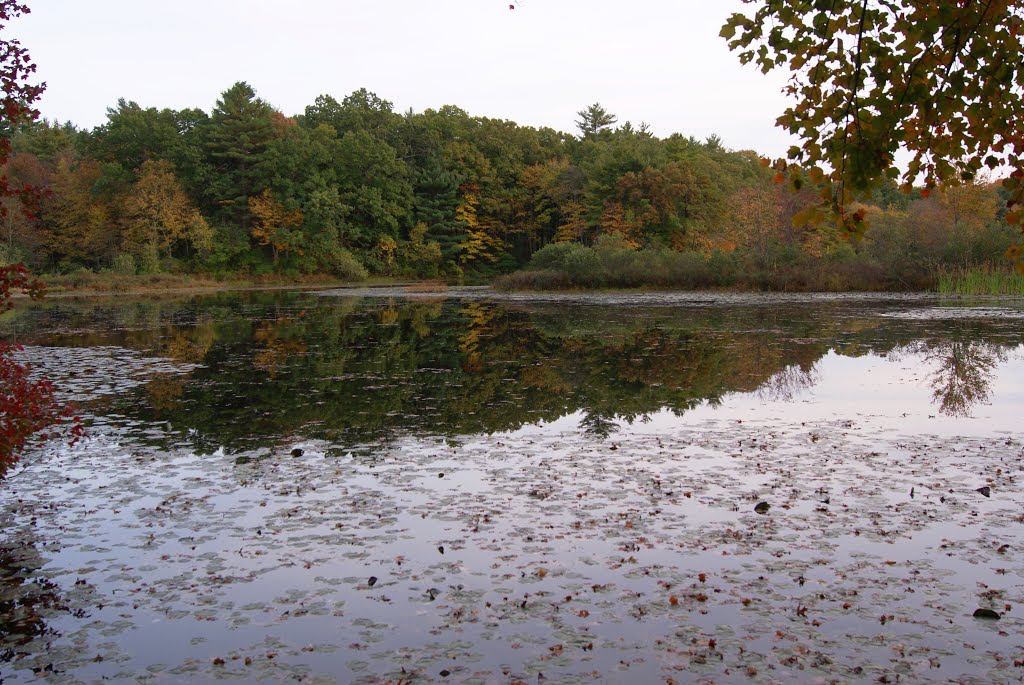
{"points": [[80, 223], [942, 80], [274, 225], [21, 235], [16, 70], [133, 135], [157, 212], [28, 406], [478, 244]]}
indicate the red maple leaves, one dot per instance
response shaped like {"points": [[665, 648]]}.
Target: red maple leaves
{"points": [[28, 406]]}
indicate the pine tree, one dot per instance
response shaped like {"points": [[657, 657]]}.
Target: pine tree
{"points": [[595, 119], [436, 196], [239, 131]]}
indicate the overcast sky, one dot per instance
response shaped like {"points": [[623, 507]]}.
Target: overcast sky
{"points": [[654, 61]]}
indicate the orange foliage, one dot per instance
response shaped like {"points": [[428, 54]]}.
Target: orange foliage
{"points": [[273, 223], [615, 222]]}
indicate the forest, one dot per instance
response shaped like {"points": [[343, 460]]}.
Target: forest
{"points": [[353, 189]]}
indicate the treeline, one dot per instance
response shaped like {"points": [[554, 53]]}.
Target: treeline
{"points": [[353, 188]]}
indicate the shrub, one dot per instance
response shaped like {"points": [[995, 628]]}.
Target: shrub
{"points": [[149, 259], [554, 255], [345, 265], [124, 265]]}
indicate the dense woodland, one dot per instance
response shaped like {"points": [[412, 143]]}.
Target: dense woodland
{"points": [[353, 188]]}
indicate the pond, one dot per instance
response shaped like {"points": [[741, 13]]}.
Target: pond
{"points": [[382, 486]]}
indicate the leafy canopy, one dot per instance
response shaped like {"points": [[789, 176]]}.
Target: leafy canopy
{"points": [[941, 79], [17, 93]]}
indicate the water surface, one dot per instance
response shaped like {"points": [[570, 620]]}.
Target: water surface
{"points": [[375, 486]]}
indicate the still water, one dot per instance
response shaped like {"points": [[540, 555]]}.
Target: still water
{"points": [[376, 486]]}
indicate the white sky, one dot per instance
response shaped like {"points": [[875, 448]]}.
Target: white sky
{"points": [[661, 62]]}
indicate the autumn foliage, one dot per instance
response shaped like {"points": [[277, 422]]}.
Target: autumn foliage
{"points": [[274, 225], [942, 81], [28, 406], [351, 187], [18, 95]]}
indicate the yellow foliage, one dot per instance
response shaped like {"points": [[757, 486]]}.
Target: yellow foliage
{"points": [[479, 244], [385, 250], [574, 225], [972, 205], [80, 226], [158, 212], [273, 222]]}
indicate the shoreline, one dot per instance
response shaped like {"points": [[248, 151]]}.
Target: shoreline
{"points": [[138, 287], [127, 287]]}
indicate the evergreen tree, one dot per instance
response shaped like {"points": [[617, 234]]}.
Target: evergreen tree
{"points": [[240, 129], [595, 119], [436, 196]]}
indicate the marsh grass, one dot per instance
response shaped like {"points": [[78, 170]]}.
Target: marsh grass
{"points": [[980, 280]]}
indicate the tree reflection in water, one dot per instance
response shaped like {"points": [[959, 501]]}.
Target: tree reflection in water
{"points": [[358, 371], [788, 383], [599, 425], [963, 375], [961, 371]]}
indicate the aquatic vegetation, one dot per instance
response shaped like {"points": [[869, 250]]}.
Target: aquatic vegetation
{"points": [[981, 281]]}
